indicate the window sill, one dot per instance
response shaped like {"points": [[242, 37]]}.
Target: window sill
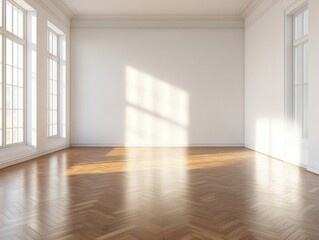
{"points": [[54, 142], [12, 153]]}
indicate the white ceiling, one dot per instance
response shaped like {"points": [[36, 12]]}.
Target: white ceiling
{"points": [[157, 7]]}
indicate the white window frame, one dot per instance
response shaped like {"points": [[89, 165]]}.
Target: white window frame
{"points": [[56, 58], [22, 41], [300, 131]]}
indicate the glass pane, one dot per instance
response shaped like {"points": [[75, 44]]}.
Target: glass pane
{"points": [[14, 92], [9, 52], [14, 135], [20, 135], [20, 24], [306, 63], [9, 136], [14, 97], [305, 112], [15, 20], [14, 118], [55, 70], [298, 26], [9, 16], [9, 119], [298, 110], [9, 75], [55, 45], [20, 56], [20, 100], [306, 22], [298, 64], [9, 97], [15, 55], [49, 42], [15, 77]]}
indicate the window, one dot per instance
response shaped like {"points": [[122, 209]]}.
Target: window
{"points": [[56, 82], [53, 61], [12, 80], [300, 73]]}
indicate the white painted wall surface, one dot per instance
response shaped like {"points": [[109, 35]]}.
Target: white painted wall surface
{"points": [[265, 83], [142, 87], [313, 163]]}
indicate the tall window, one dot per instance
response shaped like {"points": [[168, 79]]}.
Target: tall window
{"points": [[12, 81], [53, 83], [300, 75]]}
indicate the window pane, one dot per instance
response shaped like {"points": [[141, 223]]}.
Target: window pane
{"points": [[298, 26], [9, 52], [9, 16], [298, 110], [9, 136], [14, 92], [20, 57], [305, 111], [20, 23], [298, 66], [20, 134], [15, 20], [306, 22], [15, 55], [9, 119], [306, 63], [50, 42], [55, 45], [55, 71]]}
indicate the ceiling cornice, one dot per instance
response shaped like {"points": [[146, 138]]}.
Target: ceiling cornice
{"points": [[249, 7], [171, 21], [259, 11], [66, 7], [156, 17], [57, 13], [70, 11]]}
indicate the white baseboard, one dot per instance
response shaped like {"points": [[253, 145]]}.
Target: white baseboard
{"points": [[31, 156], [175, 145], [313, 170], [279, 158]]}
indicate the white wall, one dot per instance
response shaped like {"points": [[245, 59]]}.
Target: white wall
{"points": [[265, 118], [138, 87], [45, 11]]}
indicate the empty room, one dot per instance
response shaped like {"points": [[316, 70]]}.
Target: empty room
{"points": [[159, 120]]}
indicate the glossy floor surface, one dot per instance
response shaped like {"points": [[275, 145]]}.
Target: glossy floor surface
{"points": [[158, 193]]}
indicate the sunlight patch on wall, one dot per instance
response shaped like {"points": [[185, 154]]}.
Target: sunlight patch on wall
{"points": [[277, 140], [156, 112], [269, 137]]}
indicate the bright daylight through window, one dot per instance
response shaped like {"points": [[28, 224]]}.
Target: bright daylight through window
{"points": [[300, 83], [12, 80]]}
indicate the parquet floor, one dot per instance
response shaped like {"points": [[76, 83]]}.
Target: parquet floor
{"points": [[158, 193]]}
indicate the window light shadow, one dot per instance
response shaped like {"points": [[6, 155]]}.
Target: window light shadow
{"points": [[156, 111]]}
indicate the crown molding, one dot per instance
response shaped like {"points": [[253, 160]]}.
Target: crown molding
{"points": [[171, 21], [66, 7], [249, 8], [263, 7], [51, 7]]}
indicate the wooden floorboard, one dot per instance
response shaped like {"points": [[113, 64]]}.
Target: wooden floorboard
{"points": [[158, 193]]}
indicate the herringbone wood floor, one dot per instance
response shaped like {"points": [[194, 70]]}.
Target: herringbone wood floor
{"points": [[158, 193]]}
